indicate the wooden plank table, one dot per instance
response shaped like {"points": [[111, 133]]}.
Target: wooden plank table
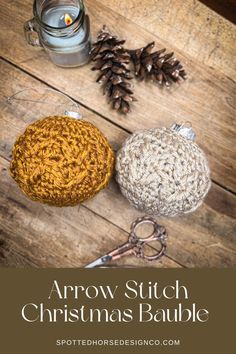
{"points": [[33, 234]]}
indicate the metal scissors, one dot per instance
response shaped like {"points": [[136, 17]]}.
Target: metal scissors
{"points": [[135, 245]]}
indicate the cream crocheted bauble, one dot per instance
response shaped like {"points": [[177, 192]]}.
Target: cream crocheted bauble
{"points": [[162, 172]]}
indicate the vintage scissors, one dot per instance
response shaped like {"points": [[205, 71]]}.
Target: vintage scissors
{"points": [[135, 245]]}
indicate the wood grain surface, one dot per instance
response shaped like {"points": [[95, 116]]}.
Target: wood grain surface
{"points": [[226, 9], [188, 26], [37, 235]]}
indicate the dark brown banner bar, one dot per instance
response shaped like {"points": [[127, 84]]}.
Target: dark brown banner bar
{"points": [[117, 310]]}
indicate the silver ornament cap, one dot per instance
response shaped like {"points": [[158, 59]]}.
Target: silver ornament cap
{"points": [[184, 130]]}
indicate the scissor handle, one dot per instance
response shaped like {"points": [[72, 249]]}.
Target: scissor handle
{"points": [[159, 234], [135, 244]]}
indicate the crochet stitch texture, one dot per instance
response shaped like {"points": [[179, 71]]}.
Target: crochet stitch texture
{"points": [[162, 173], [61, 161]]}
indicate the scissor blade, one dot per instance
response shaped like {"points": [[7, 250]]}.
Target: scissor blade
{"points": [[99, 262]]}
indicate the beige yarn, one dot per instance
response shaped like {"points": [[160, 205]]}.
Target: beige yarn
{"points": [[163, 173]]}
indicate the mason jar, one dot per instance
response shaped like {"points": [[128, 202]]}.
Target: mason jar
{"points": [[62, 28]]}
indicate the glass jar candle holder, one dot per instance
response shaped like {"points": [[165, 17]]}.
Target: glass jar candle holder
{"points": [[62, 28]]}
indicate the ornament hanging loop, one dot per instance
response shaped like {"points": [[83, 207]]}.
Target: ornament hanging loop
{"points": [[70, 113]]}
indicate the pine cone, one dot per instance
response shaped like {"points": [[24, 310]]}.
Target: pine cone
{"points": [[157, 66], [111, 59]]}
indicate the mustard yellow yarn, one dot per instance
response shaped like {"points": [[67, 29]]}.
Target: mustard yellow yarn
{"points": [[61, 161]]}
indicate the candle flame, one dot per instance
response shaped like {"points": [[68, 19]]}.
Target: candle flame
{"points": [[68, 20]]}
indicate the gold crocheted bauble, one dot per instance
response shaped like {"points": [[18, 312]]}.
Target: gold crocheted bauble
{"points": [[61, 161]]}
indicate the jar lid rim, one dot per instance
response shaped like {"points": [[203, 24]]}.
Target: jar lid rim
{"points": [[75, 25]]}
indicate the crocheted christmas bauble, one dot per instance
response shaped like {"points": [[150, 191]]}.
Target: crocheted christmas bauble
{"points": [[163, 172], [61, 161]]}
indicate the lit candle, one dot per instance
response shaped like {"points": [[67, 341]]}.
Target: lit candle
{"points": [[55, 17], [68, 20], [64, 33]]}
